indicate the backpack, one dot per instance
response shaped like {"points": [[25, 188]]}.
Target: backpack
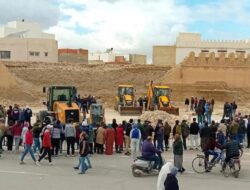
{"points": [[135, 133]]}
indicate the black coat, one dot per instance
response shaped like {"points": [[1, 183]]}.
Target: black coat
{"points": [[171, 183]]}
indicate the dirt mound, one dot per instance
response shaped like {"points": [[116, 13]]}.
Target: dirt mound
{"points": [[154, 116], [6, 79], [98, 80]]}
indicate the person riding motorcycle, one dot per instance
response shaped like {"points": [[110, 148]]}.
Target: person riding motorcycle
{"points": [[150, 153], [232, 148]]}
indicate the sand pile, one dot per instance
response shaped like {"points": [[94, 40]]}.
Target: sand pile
{"points": [[154, 116], [6, 79]]}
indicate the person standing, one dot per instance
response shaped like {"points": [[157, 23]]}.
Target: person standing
{"points": [[185, 133], [47, 146], [177, 128], [192, 104], [167, 132], [37, 129], [187, 104], [70, 135], [56, 136], [233, 129], [9, 135], [208, 112], [24, 131], [194, 131], [160, 137], [17, 131], [83, 153], [28, 146], [119, 138], [109, 141], [91, 138], [100, 138], [135, 136], [178, 153], [128, 128], [248, 134], [28, 115]]}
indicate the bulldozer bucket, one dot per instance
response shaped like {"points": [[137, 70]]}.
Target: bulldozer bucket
{"points": [[126, 110]]}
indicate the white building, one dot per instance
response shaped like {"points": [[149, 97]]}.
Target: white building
{"points": [[192, 42], [25, 41]]}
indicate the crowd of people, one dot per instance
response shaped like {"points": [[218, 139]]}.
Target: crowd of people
{"points": [[46, 139]]}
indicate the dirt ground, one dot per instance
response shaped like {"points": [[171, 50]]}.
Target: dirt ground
{"points": [[22, 83]]}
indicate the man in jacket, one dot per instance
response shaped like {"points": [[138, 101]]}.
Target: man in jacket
{"points": [[70, 135], [167, 131], [194, 131], [56, 136], [185, 133], [150, 153], [47, 146], [135, 136]]}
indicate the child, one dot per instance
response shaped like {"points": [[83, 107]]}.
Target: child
{"points": [[178, 153]]}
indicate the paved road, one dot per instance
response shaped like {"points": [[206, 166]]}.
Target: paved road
{"points": [[108, 173]]}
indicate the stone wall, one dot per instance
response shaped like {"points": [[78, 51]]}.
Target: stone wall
{"points": [[229, 68]]}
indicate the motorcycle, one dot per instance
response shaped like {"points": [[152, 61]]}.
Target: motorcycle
{"points": [[142, 167]]}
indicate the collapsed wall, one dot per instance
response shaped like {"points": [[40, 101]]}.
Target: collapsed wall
{"points": [[6, 79]]}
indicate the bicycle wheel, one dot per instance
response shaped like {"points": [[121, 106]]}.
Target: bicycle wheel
{"points": [[198, 164]]}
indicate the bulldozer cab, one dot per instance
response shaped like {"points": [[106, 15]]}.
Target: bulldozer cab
{"points": [[126, 94], [161, 92], [60, 94]]}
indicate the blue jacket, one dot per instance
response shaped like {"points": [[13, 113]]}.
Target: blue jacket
{"points": [[148, 149]]}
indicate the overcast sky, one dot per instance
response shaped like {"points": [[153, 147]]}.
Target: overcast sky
{"points": [[131, 26]]}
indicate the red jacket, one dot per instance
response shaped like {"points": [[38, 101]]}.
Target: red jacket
{"points": [[119, 136], [29, 138], [17, 130], [47, 139]]}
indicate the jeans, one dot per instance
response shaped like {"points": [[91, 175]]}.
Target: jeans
{"points": [[28, 148], [17, 140], [37, 145], [153, 158], [208, 118], [241, 137], [160, 144], [82, 165], [70, 143], [135, 144], [213, 153]]}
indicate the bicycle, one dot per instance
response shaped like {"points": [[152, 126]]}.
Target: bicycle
{"points": [[198, 163], [232, 167]]}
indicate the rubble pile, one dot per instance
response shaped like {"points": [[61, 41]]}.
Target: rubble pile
{"points": [[154, 116]]}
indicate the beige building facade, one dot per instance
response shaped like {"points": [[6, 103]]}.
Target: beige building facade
{"points": [[25, 41], [137, 59], [193, 42]]}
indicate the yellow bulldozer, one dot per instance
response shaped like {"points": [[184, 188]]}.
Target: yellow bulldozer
{"points": [[159, 99], [60, 104], [125, 101]]}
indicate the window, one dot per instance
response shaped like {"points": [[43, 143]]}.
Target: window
{"points": [[34, 53], [205, 50], [222, 51], [4, 54], [46, 54]]}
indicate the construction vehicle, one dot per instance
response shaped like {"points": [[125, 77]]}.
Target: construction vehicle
{"points": [[97, 114], [60, 104], [125, 101], [159, 99]]}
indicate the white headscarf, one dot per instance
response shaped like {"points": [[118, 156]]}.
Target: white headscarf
{"points": [[165, 170]]}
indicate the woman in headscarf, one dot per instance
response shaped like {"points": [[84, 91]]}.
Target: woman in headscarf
{"points": [[165, 172], [110, 138]]}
